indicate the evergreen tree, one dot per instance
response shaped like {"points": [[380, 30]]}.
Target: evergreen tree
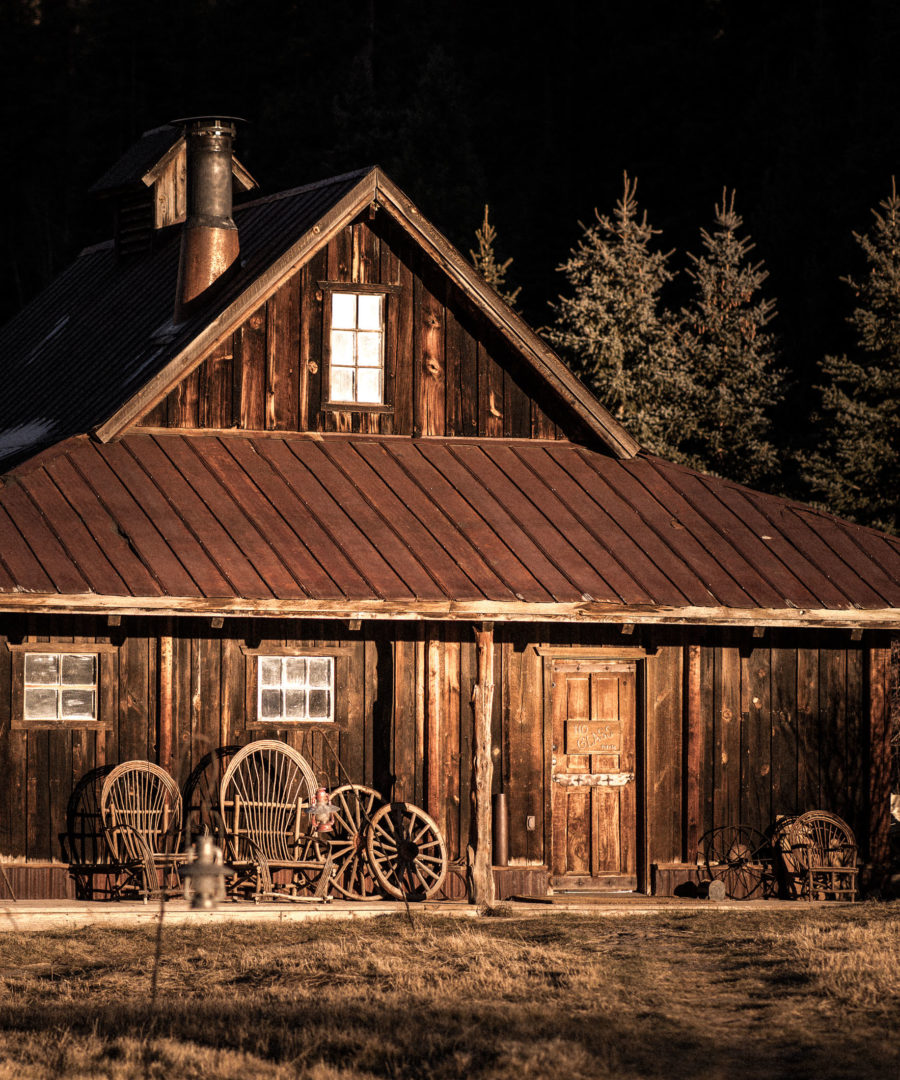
{"points": [[485, 262], [729, 357], [854, 471], [611, 330]]}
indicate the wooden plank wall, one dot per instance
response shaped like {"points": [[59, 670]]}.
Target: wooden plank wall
{"points": [[732, 729], [447, 371]]}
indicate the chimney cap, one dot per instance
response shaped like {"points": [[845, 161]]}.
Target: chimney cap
{"points": [[215, 118]]}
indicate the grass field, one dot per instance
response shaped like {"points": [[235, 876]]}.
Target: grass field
{"points": [[785, 994]]}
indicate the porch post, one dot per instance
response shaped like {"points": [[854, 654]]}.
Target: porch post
{"points": [[483, 699], [165, 671]]}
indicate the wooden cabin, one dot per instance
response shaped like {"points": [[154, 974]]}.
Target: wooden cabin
{"points": [[339, 494]]}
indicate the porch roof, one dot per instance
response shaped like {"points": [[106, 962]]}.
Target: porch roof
{"points": [[371, 526]]}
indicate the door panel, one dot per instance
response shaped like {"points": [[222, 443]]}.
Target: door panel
{"points": [[593, 799]]}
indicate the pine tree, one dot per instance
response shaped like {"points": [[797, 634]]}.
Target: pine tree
{"points": [[855, 468], [485, 262], [729, 357], [611, 330]]}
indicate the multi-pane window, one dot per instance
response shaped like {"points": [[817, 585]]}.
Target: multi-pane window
{"points": [[296, 688], [60, 686], [357, 348]]}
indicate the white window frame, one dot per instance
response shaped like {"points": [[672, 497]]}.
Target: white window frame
{"points": [[283, 687], [353, 335], [60, 687]]}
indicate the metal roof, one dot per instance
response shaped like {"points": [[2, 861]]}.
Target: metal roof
{"points": [[95, 336], [137, 159], [294, 523]]}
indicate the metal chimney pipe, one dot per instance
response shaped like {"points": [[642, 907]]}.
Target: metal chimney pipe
{"points": [[209, 239]]}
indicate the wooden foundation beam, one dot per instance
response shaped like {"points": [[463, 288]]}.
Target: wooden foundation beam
{"points": [[483, 700]]}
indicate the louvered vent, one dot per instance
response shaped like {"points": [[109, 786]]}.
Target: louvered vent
{"points": [[134, 225]]}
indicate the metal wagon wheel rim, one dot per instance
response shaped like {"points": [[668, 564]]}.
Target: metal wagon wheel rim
{"points": [[406, 851], [738, 856], [352, 869]]}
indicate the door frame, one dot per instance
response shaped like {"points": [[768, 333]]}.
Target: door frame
{"points": [[638, 656]]}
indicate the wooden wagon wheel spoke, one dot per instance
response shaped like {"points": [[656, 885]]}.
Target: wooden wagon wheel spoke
{"points": [[406, 851], [351, 875], [739, 857]]}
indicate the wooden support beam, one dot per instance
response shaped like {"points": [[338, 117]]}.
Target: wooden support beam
{"points": [[217, 622], [483, 700], [856, 635], [166, 689], [114, 620], [759, 632], [882, 667], [628, 629], [433, 733]]}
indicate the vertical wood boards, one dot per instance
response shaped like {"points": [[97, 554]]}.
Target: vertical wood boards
{"points": [[447, 371], [785, 781], [879, 746], [795, 726], [283, 357], [756, 739], [664, 754], [808, 726]]}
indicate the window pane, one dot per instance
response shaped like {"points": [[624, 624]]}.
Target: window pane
{"points": [[295, 671], [269, 671], [319, 704], [343, 310], [368, 350], [295, 704], [320, 672], [370, 312], [78, 704], [369, 385], [78, 669], [270, 705], [42, 668], [341, 384], [40, 704], [342, 346]]}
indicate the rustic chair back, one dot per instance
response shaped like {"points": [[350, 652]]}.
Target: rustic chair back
{"points": [[824, 853], [265, 793], [140, 806]]}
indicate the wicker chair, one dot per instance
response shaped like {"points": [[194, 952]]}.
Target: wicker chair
{"points": [[140, 808], [823, 854], [264, 802]]}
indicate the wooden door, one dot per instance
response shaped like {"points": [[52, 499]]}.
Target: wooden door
{"points": [[592, 778]]}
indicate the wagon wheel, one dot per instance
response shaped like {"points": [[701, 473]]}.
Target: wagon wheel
{"points": [[739, 857], [406, 852], [352, 874]]}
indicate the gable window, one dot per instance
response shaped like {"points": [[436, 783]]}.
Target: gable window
{"points": [[60, 686], [356, 370], [295, 688]]}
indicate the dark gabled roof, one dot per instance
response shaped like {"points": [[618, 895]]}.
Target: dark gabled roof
{"points": [[348, 525], [94, 337], [141, 156]]}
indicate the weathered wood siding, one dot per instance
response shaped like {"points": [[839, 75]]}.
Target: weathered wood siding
{"points": [[447, 372], [730, 729]]}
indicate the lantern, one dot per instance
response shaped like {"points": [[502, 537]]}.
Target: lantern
{"points": [[204, 876], [322, 811]]}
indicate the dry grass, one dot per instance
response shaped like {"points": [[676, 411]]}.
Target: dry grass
{"points": [[797, 994]]}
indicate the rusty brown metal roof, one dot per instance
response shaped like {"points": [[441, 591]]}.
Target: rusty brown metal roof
{"points": [[297, 523]]}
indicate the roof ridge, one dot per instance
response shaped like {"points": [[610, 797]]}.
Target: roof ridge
{"points": [[290, 192]]}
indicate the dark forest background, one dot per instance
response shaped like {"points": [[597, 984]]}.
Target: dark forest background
{"points": [[536, 111]]}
